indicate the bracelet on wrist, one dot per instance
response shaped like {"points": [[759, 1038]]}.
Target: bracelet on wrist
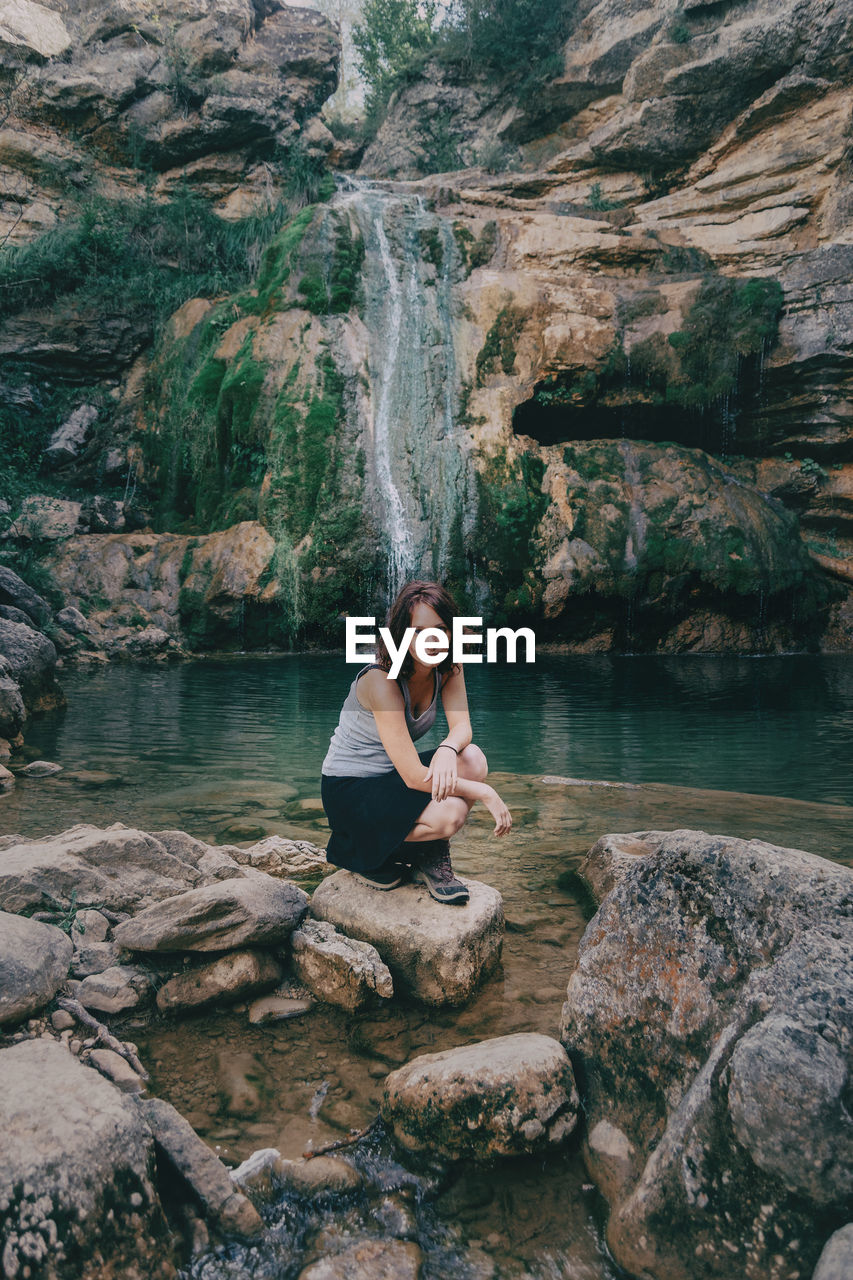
{"points": [[447, 744]]}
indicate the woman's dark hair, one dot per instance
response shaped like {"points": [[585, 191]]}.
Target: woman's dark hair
{"points": [[400, 616]]}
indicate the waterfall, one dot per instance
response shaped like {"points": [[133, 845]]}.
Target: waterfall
{"points": [[636, 533], [418, 465]]}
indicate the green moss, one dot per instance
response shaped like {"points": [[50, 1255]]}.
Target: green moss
{"points": [[510, 505], [501, 342], [475, 251], [331, 289], [432, 249], [277, 264]]}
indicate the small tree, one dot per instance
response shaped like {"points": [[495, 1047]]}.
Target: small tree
{"points": [[392, 35]]}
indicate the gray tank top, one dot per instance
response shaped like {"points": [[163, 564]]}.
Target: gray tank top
{"points": [[356, 750]]}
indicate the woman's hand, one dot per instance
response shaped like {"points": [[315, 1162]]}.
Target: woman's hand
{"points": [[499, 811], [443, 772]]}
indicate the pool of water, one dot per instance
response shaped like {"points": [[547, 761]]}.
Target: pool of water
{"points": [[230, 750], [221, 746]]}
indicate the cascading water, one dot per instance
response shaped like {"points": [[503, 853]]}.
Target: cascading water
{"points": [[420, 466]]}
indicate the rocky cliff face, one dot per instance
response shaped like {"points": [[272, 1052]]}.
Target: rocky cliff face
{"points": [[605, 393], [197, 91]]}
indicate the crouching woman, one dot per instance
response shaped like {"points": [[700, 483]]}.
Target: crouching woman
{"points": [[392, 809]]}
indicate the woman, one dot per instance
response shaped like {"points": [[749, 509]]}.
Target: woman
{"points": [[387, 811]]}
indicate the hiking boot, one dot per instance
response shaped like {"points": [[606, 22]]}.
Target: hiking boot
{"points": [[434, 870], [386, 876]]}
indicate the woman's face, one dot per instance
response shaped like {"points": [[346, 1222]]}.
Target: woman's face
{"points": [[424, 617]]}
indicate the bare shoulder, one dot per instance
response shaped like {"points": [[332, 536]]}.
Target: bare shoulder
{"points": [[376, 692]]}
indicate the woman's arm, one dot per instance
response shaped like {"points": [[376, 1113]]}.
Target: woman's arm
{"points": [[454, 699], [386, 703]]}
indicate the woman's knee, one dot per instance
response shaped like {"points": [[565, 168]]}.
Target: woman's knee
{"points": [[472, 763]]}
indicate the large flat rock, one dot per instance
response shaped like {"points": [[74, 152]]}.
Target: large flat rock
{"points": [[436, 952], [119, 867], [257, 911]]}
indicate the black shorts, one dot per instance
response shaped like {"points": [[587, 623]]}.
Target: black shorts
{"points": [[369, 817]]}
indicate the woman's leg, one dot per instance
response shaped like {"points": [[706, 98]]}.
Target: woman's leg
{"points": [[441, 819]]}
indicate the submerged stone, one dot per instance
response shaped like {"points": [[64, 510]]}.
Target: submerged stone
{"points": [[508, 1096]]}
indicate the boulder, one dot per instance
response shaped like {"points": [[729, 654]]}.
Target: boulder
{"points": [[77, 1175], [338, 970], [259, 911], [119, 867], [204, 1174], [836, 1260], [14, 591], [435, 952], [122, 986], [227, 978], [279, 856], [34, 960], [612, 856], [44, 517], [31, 663], [94, 957], [508, 1096], [711, 1017], [68, 438]]}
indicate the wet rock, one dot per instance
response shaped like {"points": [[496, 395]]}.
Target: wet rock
{"points": [[122, 986], [239, 973], [7, 779], [13, 713], [115, 1068], [31, 664], [836, 1260], [322, 1175], [435, 952], [14, 591], [612, 856], [338, 970], [69, 438], [231, 913], [34, 960], [72, 620], [118, 867], [148, 641], [199, 1168], [40, 769], [77, 1175], [369, 1260], [236, 1076], [710, 1012], [510, 1095], [276, 1008]]}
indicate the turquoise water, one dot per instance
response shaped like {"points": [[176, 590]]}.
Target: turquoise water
{"points": [[210, 742]]}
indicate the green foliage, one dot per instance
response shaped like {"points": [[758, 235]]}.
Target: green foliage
{"points": [[809, 467], [497, 157], [333, 288], [441, 142], [500, 344], [476, 251], [679, 33], [142, 256], [641, 304], [595, 200], [728, 319], [432, 250], [520, 40], [510, 504], [28, 564], [392, 34], [276, 265]]}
